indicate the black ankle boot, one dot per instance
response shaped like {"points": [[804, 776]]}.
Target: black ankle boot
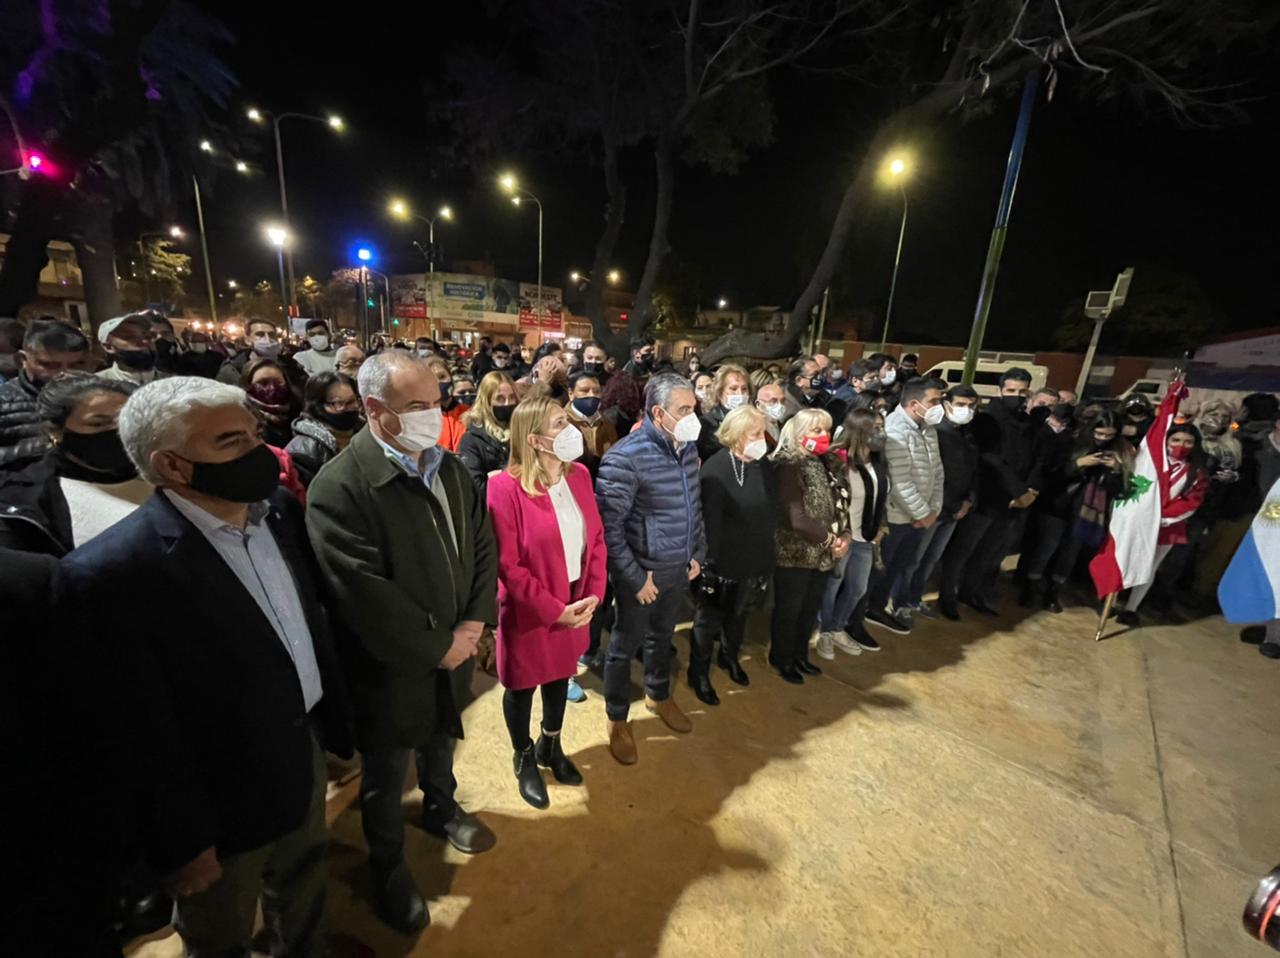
{"points": [[1051, 597], [532, 789], [701, 685], [551, 755]]}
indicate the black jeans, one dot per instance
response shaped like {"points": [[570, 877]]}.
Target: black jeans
{"points": [[900, 551], [601, 621], [381, 786], [651, 627], [517, 709], [797, 600], [973, 559], [1050, 548], [722, 616]]}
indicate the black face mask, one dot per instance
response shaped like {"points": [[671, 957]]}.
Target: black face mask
{"points": [[643, 364], [1103, 443], [503, 414], [347, 421], [595, 368], [1039, 414], [1013, 403], [1063, 411], [100, 451], [165, 348], [250, 478], [466, 399], [139, 360]]}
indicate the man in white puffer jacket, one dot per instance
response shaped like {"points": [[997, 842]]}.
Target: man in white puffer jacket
{"points": [[915, 497]]}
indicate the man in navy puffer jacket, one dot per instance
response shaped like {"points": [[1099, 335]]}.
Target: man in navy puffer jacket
{"points": [[651, 507]]}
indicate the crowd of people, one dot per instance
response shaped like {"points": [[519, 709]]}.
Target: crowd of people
{"points": [[354, 530]]}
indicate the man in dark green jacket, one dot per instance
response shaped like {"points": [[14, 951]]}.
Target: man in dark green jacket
{"points": [[409, 559]]}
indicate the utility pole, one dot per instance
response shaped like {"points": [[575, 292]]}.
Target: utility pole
{"points": [[996, 247]]}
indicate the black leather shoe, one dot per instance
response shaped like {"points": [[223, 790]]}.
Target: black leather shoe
{"points": [[978, 604], [737, 674], [532, 788], [701, 685], [791, 674], [1128, 618], [1253, 634], [397, 901], [550, 754], [807, 667], [1270, 650], [948, 609], [464, 832], [1051, 598]]}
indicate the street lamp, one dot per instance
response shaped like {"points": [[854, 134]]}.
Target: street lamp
{"points": [[232, 284], [206, 146], [279, 238], [895, 173], [259, 116], [722, 303], [510, 186]]}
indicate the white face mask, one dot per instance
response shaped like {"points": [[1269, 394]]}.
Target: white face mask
{"points": [[319, 341], [267, 348], [888, 377], [704, 397], [960, 415], [419, 430], [568, 444], [754, 450], [733, 402], [687, 429], [199, 347], [935, 414], [775, 411]]}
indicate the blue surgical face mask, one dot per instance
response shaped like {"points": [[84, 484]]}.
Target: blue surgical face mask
{"points": [[587, 406]]}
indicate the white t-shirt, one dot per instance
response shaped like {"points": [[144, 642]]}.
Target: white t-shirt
{"points": [[858, 498], [95, 508], [573, 534]]}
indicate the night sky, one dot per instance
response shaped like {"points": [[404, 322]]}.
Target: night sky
{"points": [[1102, 188]]}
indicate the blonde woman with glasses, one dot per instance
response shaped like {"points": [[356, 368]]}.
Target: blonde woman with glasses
{"points": [[551, 577]]}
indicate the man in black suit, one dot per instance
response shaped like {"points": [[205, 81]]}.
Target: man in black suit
{"points": [[225, 704]]}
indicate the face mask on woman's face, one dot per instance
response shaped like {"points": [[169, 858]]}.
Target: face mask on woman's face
{"points": [[754, 450], [568, 444], [704, 396], [875, 442], [503, 414], [347, 421], [818, 445], [1179, 452], [270, 393], [733, 402], [101, 451]]}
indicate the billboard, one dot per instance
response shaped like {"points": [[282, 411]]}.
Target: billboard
{"points": [[547, 315], [456, 297]]}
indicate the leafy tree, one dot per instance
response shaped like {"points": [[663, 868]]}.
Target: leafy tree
{"points": [[117, 94]]}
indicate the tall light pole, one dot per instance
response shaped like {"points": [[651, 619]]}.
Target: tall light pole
{"points": [[260, 116], [896, 172], [241, 167], [279, 237], [401, 210], [512, 188]]}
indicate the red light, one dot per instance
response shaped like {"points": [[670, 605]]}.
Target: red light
{"points": [[622, 316], [35, 161]]}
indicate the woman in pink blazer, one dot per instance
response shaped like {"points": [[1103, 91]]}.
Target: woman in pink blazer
{"points": [[551, 577]]}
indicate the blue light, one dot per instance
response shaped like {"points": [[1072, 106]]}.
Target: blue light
{"points": [[364, 254]]}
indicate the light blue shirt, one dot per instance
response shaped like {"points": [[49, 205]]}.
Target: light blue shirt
{"points": [[254, 556], [429, 473]]}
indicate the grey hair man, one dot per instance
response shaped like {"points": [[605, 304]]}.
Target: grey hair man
{"points": [[348, 360], [407, 552], [225, 714], [651, 507]]}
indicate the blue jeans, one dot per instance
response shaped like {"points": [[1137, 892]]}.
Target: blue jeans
{"points": [[847, 585], [648, 627], [928, 558]]}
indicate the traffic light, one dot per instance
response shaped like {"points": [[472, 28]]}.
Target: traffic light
{"points": [[370, 303]]}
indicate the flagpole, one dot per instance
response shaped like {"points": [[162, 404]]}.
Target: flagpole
{"points": [[1106, 614]]}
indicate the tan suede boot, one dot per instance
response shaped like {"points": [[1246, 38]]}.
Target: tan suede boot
{"points": [[621, 742], [669, 712]]}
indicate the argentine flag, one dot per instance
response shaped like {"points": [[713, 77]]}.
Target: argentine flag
{"points": [[1250, 588]]}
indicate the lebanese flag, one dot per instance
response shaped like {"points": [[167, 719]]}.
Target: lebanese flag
{"points": [[1128, 557]]}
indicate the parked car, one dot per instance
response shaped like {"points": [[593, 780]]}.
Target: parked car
{"points": [[986, 378]]}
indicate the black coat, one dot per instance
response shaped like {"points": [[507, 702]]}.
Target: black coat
{"points": [[33, 511], [1008, 465], [220, 742], [711, 420], [482, 454], [959, 464], [873, 519], [1058, 487], [740, 520], [22, 436]]}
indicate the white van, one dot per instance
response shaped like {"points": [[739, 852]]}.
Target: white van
{"points": [[986, 378]]}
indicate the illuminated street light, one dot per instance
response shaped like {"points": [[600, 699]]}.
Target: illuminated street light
{"points": [[279, 237], [575, 276], [508, 182], [259, 116], [894, 173], [176, 232], [445, 213], [722, 303], [206, 146], [510, 185], [232, 284], [242, 166], [614, 277], [364, 254]]}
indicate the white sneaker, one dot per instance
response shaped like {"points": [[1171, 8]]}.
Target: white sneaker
{"points": [[845, 644], [823, 648]]}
